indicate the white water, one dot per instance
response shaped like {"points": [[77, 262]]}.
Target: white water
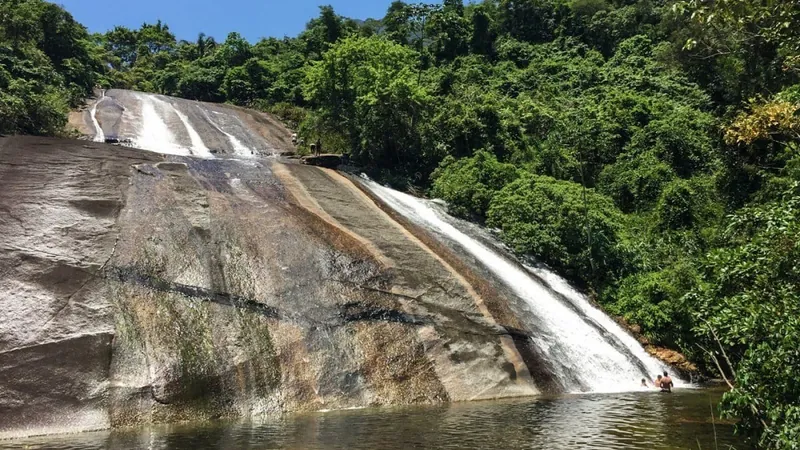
{"points": [[154, 134], [579, 301], [99, 135], [239, 149], [574, 346], [198, 146]]}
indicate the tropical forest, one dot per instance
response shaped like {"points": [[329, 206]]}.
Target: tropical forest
{"points": [[646, 150]]}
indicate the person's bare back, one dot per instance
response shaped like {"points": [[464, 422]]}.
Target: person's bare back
{"points": [[666, 383]]}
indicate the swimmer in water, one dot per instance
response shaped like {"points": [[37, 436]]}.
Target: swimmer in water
{"points": [[666, 383]]}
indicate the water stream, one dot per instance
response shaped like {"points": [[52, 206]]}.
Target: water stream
{"points": [[154, 133], [579, 341], [99, 135], [198, 146], [239, 149], [587, 352]]}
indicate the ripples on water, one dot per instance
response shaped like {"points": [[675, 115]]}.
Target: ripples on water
{"points": [[641, 420]]}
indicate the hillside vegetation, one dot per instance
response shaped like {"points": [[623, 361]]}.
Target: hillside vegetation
{"points": [[647, 149]]}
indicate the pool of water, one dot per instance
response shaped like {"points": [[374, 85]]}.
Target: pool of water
{"points": [[636, 420]]}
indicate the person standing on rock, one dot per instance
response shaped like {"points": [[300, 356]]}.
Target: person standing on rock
{"points": [[319, 147]]}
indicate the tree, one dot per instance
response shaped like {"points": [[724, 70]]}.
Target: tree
{"points": [[635, 182], [397, 22], [483, 36], [245, 83], [468, 185], [449, 31], [367, 88], [776, 121], [123, 43], [234, 51], [197, 82], [155, 38], [547, 218], [529, 20], [749, 312], [205, 44], [747, 23], [322, 32], [32, 97], [46, 66]]}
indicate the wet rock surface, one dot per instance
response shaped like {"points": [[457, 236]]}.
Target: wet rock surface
{"points": [[172, 125], [676, 360], [140, 288], [328, 160]]}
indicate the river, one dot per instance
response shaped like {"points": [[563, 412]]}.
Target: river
{"points": [[634, 420]]}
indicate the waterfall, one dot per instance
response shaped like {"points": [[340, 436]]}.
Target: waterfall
{"points": [[587, 350], [99, 135], [154, 133], [198, 146], [239, 149], [157, 123]]}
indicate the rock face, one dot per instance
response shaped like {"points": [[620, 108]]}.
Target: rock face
{"points": [[327, 160], [184, 127], [146, 288]]}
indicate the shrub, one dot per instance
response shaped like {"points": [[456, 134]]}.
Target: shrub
{"points": [[469, 184], [562, 224]]}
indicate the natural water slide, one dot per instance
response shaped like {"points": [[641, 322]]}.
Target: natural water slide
{"points": [[193, 273]]}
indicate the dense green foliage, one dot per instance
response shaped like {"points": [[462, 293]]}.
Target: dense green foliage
{"points": [[749, 299], [47, 65], [564, 224], [470, 184], [366, 91], [648, 149]]}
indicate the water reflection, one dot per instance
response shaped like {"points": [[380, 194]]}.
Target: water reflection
{"points": [[643, 420]]}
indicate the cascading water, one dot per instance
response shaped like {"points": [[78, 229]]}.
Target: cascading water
{"points": [[587, 351], [198, 146], [239, 148], [581, 348], [99, 135], [154, 134]]}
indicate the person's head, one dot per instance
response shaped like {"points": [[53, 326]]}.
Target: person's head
{"points": [[644, 381], [659, 377], [666, 374]]}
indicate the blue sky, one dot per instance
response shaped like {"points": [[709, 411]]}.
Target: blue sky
{"points": [[254, 19]]}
